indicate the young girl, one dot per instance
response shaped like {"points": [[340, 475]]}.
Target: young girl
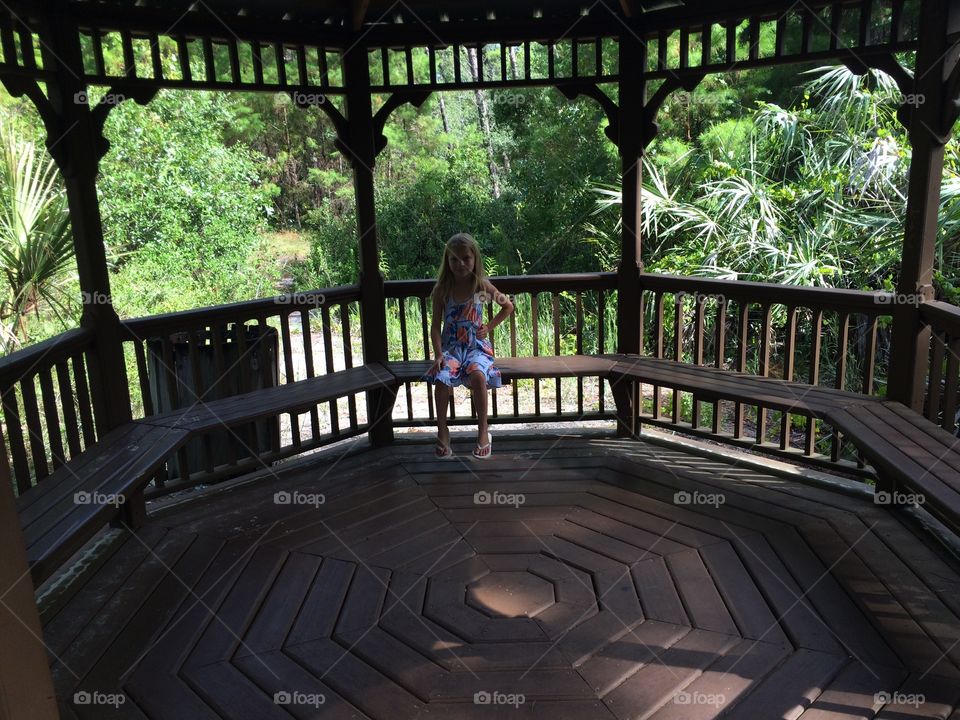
{"points": [[463, 352]]}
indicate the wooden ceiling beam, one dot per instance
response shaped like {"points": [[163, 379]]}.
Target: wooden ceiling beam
{"points": [[358, 13]]}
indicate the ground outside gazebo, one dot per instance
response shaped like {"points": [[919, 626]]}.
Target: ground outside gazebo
{"points": [[731, 500]]}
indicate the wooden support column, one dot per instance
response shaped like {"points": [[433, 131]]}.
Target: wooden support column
{"points": [[929, 131], [26, 689], [631, 142], [360, 148], [75, 141]]}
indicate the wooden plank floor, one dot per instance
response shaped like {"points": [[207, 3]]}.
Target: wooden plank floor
{"points": [[564, 578]]}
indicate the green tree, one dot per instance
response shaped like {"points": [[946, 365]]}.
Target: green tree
{"points": [[36, 246]]}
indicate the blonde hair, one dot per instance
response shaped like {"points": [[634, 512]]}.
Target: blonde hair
{"points": [[444, 285]]}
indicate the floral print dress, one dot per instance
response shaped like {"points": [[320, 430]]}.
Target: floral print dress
{"points": [[463, 352]]}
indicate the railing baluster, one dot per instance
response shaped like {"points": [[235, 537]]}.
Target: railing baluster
{"points": [[405, 351], [698, 308], [789, 345], [658, 301], [221, 387], [143, 375], [208, 60], [513, 353], [280, 55], [265, 342], [949, 422], [677, 347], [743, 331], [183, 58], [934, 387], [719, 358], [35, 431], [84, 401], [601, 335], [579, 311], [843, 338], [193, 354], [427, 350], [870, 361], [493, 347], [11, 413], [54, 431], [764, 367], [99, 65], [70, 421], [535, 310], [556, 340], [155, 60], [290, 372], [257, 50], [348, 361], [308, 367], [816, 330], [328, 360], [234, 53], [129, 62], [244, 353]]}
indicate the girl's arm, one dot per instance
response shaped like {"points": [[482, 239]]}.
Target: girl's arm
{"points": [[503, 300], [436, 328]]}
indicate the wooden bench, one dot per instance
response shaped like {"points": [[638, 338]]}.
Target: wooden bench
{"points": [[709, 383], [59, 515], [291, 397], [908, 451], [106, 482]]}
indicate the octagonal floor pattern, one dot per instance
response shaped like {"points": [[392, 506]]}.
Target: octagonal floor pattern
{"points": [[564, 578]]}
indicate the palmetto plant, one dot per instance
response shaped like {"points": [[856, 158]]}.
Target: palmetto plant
{"points": [[813, 195], [36, 245]]}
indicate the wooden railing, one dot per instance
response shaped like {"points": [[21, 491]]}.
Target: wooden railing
{"points": [[943, 371], [45, 429], [835, 338], [554, 315], [820, 336], [179, 359]]}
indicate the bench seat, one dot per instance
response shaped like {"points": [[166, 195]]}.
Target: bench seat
{"points": [[292, 397], [60, 514], [709, 383], [909, 453], [907, 450], [57, 522]]}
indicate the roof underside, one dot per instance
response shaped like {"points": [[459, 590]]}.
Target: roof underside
{"points": [[356, 16]]}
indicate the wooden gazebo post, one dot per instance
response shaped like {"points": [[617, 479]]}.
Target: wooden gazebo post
{"points": [[26, 688], [360, 147], [928, 135], [632, 143], [75, 143]]}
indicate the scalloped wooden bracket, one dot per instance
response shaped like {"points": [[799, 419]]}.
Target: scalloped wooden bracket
{"points": [[901, 75], [649, 126], [414, 97], [20, 86], [115, 95], [610, 108]]}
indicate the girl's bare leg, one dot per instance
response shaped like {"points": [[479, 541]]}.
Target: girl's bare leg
{"points": [[478, 382], [441, 396]]}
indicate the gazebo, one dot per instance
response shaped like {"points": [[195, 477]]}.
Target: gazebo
{"points": [[188, 555]]}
